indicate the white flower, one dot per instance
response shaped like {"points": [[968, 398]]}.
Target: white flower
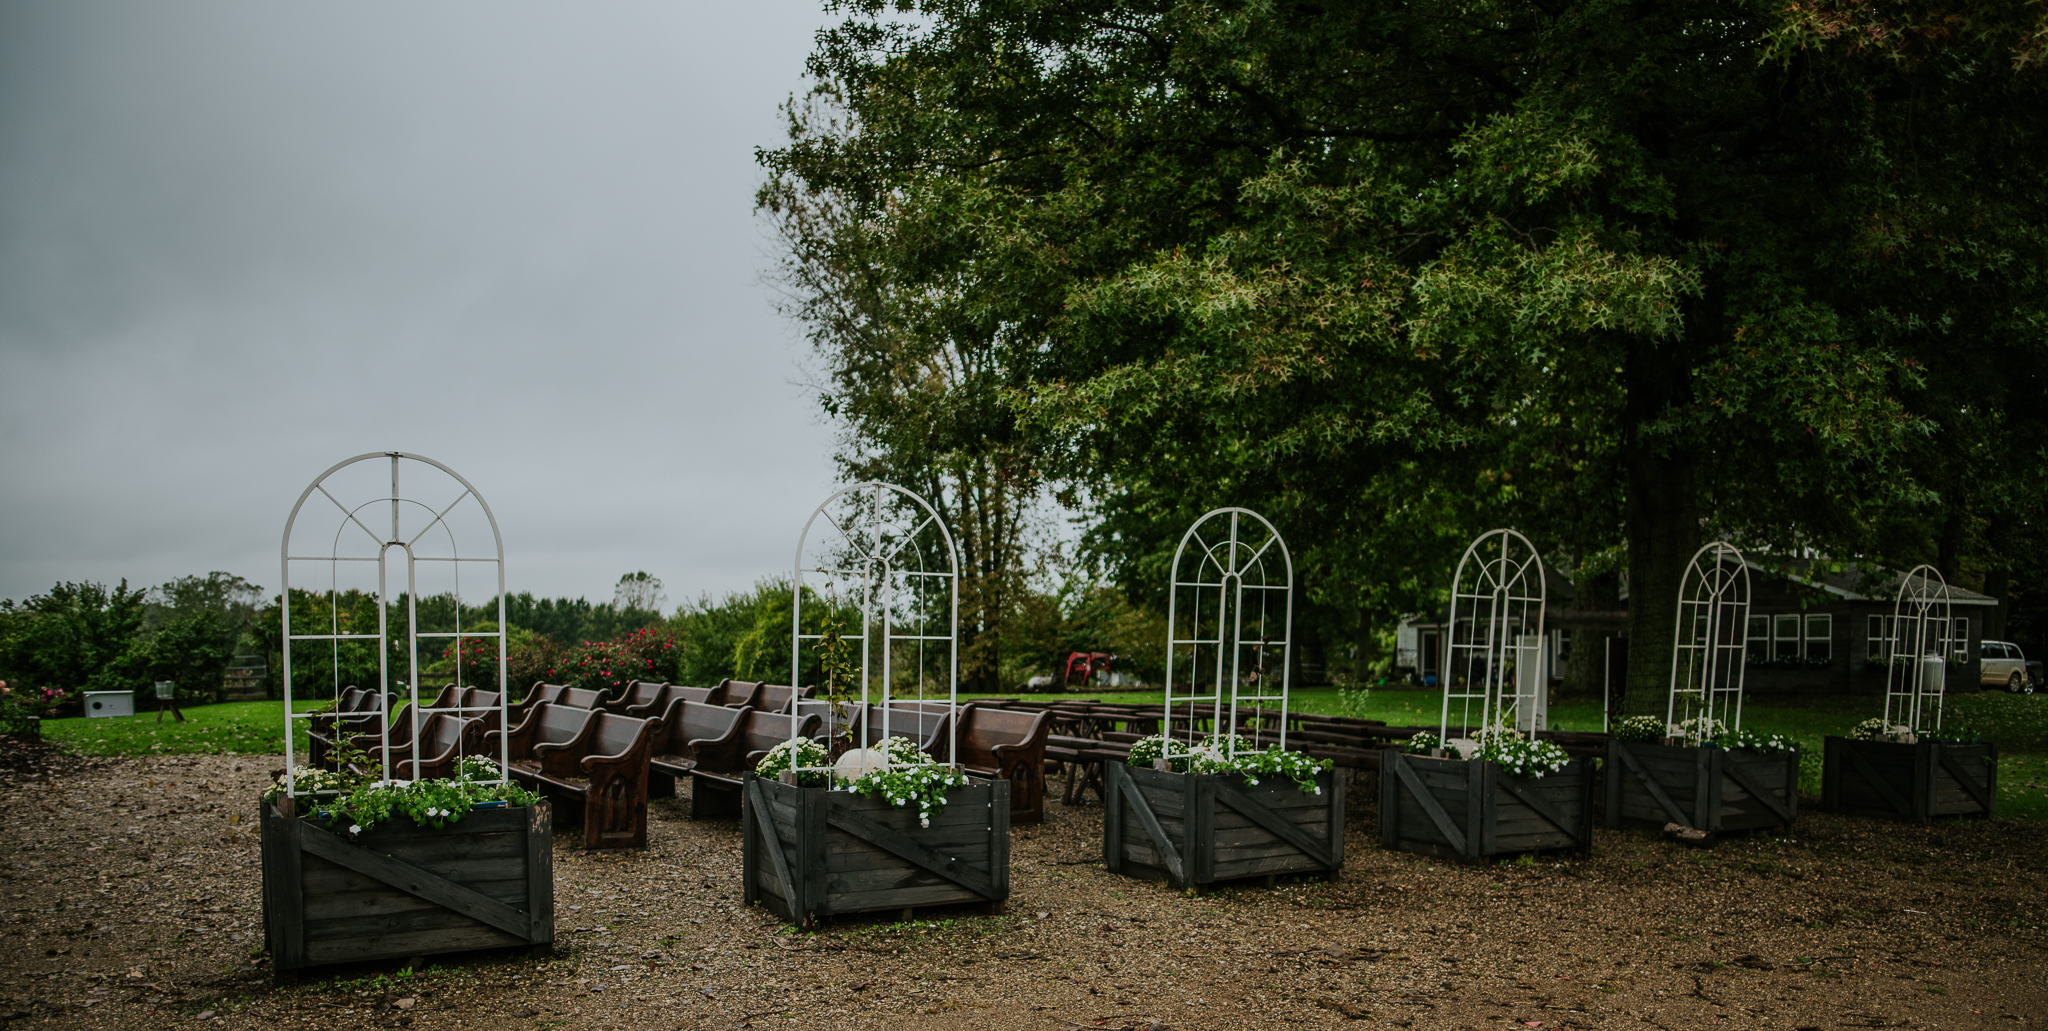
{"points": [[355, 828]]}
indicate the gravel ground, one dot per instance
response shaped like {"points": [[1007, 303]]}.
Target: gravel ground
{"points": [[131, 900]]}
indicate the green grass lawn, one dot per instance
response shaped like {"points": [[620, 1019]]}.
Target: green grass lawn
{"points": [[229, 728], [2017, 723]]}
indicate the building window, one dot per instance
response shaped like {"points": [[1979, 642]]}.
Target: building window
{"points": [[1820, 636], [1759, 638], [1785, 637], [1959, 642], [1874, 643]]}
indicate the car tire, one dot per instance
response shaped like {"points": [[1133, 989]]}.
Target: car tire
{"points": [[2014, 683]]}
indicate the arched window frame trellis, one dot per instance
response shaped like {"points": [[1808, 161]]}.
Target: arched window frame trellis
{"points": [[1922, 620], [1496, 597], [1710, 639], [353, 520], [868, 569], [1227, 569]]}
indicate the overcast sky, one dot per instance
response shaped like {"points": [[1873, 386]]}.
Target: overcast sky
{"points": [[240, 242]]}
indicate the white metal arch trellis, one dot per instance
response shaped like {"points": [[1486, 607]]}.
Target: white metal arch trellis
{"points": [[1916, 661], [1493, 644], [1709, 643], [418, 529], [1221, 620], [878, 552]]}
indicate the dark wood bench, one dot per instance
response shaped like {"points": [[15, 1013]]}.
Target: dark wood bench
{"points": [[737, 693], [833, 732], [668, 696], [541, 692], [715, 785], [1082, 758], [690, 731], [374, 732], [345, 720], [776, 697], [548, 723], [444, 738], [637, 693], [927, 723], [1009, 746], [582, 698], [603, 769]]}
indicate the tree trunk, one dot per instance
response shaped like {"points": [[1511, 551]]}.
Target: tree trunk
{"points": [[1585, 669], [1662, 520]]}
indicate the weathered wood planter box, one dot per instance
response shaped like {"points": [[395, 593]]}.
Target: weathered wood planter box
{"points": [[1474, 810], [484, 882], [1909, 782], [811, 852], [1195, 829], [1710, 789]]}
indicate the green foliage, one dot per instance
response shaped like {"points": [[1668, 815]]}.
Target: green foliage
{"points": [[76, 637], [1642, 729], [806, 753], [342, 799], [609, 666], [1423, 743], [1521, 756], [1230, 755], [1393, 273], [745, 635], [910, 778]]}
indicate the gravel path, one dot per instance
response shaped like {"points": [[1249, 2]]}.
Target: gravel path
{"points": [[130, 892]]}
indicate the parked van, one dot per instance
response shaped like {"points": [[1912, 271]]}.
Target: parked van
{"points": [[2002, 664]]}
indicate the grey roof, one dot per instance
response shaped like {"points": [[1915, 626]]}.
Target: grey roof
{"points": [[1858, 581]]}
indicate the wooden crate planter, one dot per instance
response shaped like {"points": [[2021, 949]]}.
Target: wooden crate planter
{"points": [[1475, 810], [1909, 782], [1716, 790], [812, 852], [398, 890], [1193, 830]]}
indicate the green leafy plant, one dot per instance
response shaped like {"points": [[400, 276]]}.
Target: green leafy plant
{"points": [[342, 797], [1423, 743], [1521, 756], [807, 753], [1876, 729], [1699, 730], [1216, 755], [835, 675], [1641, 729], [1755, 742], [922, 784]]}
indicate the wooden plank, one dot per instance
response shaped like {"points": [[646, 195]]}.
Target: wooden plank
{"points": [[1478, 808], [1229, 795], [286, 930], [342, 904], [1404, 770], [1736, 772], [1649, 783], [1537, 804], [999, 838], [540, 874], [406, 877], [859, 824], [1978, 791], [1136, 799], [1877, 781], [320, 876], [408, 943], [1390, 821], [772, 843], [1112, 818]]}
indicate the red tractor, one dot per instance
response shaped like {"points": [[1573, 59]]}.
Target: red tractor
{"points": [[1083, 668]]}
